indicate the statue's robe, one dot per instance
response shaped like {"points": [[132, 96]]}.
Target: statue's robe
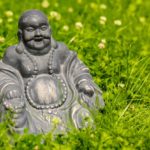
{"points": [[77, 105]]}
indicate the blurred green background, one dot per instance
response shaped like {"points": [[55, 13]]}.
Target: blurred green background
{"points": [[112, 37]]}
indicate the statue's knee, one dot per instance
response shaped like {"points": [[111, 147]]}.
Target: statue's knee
{"points": [[82, 118]]}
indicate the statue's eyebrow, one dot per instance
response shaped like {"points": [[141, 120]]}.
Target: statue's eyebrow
{"points": [[44, 24], [29, 25]]}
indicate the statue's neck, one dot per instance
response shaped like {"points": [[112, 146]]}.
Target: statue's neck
{"points": [[38, 52]]}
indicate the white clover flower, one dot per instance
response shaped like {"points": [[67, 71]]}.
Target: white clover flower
{"points": [[101, 45], [70, 10], [65, 27], [102, 20], [55, 15], [121, 85], [9, 13], [45, 4], [118, 22], [78, 25], [2, 39], [103, 6], [1, 20]]}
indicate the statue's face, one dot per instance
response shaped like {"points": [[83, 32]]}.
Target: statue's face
{"points": [[36, 33]]}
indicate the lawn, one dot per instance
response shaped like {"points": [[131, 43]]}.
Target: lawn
{"points": [[112, 37]]}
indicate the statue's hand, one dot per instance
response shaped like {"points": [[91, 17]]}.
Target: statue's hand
{"points": [[12, 94], [12, 98], [13, 101], [17, 108], [15, 105], [86, 89]]}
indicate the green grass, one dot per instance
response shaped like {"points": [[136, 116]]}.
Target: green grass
{"points": [[120, 66]]}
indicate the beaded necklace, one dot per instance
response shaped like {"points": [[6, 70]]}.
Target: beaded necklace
{"points": [[59, 102]]}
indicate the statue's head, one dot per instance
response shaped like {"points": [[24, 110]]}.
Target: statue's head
{"points": [[34, 31]]}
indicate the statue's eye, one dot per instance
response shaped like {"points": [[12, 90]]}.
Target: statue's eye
{"points": [[29, 29], [44, 27]]}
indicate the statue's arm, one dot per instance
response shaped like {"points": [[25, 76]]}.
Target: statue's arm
{"points": [[79, 72], [11, 58], [13, 95], [83, 79]]}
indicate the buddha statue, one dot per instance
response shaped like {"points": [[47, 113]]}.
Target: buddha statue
{"points": [[42, 82]]}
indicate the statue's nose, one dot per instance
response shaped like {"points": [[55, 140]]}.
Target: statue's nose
{"points": [[37, 32]]}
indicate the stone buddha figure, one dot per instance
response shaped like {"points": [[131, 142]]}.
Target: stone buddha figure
{"points": [[43, 83]]}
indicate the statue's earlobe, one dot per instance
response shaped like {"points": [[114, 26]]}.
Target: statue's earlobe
{"points": [[20, 46], [19, 34]]}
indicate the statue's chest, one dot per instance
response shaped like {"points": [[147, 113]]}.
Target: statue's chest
{"points": [[32, 65], [42, 63]]}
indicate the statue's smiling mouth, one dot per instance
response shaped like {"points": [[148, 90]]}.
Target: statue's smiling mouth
{"points": [[38, 39]]}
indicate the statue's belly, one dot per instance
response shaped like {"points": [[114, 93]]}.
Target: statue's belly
{"points": [[45, 91]]}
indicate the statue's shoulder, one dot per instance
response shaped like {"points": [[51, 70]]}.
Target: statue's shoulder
{"points": [[61, 47], [11, 56], [11, 51], [64, 50]]}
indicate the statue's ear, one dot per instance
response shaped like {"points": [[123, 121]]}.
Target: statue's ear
{"points": [[20, 47], [19, 34]]}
